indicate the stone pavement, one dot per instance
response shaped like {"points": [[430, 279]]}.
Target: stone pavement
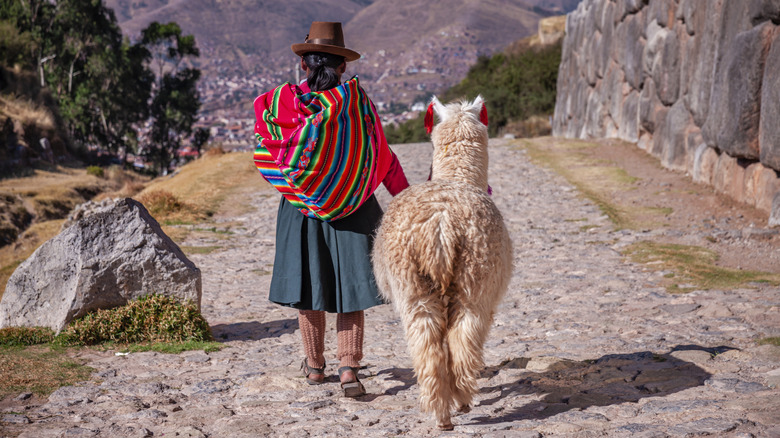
{"points": [[585, 344]]}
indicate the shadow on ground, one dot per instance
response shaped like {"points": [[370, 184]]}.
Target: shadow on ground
{"points": [[609, 380], [403, 375], [566, 385], [253, 330]]}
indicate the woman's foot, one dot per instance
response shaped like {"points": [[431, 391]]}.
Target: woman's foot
{"points": [[350, 383], [314, 376]]}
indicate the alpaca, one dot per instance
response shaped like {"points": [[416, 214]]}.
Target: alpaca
{"points": [[443, 256]]}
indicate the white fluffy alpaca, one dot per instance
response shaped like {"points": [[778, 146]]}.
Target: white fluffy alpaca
{"points": [[443, 256]]}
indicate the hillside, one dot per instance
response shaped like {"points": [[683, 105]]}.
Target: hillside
{"points": [[411, 49]]}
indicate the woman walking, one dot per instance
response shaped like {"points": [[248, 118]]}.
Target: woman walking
{"points": [[322, 146]]}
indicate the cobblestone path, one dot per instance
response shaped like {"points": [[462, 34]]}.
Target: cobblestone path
{"points": [[585, 344]]}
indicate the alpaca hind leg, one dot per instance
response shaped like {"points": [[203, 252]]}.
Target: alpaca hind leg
{"points": [[466, 334], [425, 320]]}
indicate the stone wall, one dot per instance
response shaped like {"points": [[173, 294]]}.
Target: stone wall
{"points": [[695, 83]]}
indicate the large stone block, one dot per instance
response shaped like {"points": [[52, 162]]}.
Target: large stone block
{"points": [[662, 11], [650, 107], [729, 177], [635, 45], [774, 215], [686, 11], [705, 160], [655, 36], [761, 184], [645, 142], [763, 10], [592, 51], [692, 142], [629, 48], [704, 56], [687, 61], [767, 185], [733, 123], [604, 49], [769, 136], [629, 126], [594, 117], [666, 68], [674, 137], [111, 255]]}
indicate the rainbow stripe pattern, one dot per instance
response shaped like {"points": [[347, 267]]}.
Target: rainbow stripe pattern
{"points": [[324, 151]]}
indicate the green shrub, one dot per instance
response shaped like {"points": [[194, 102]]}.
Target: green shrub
{"points": [[154, 318], [17, 336], [515, 87], [95, 171]]}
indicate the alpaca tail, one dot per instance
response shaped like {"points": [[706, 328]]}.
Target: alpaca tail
{"points": [[437, 257]]}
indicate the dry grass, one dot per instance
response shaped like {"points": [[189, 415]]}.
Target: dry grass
{"points": [[27, 112], [168, 209], [38, 369], [11, 256], [598, 179], [692, 267], [534, 126], [205, 184]]}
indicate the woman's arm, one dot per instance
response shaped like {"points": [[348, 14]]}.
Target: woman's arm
{"points": [[395, 180]]}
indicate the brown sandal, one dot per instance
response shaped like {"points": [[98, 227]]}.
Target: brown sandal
{"points": [[308, 371], [354, 388]]}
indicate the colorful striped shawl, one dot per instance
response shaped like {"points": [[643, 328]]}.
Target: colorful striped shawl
{"points": [[324, 151]]}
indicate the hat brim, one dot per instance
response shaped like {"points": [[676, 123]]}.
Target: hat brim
{"points": [[302, 48]]}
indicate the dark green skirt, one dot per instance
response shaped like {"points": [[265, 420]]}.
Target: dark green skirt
{"points": [[325, 265]]}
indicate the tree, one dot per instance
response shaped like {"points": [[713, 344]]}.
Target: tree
{"points": [[175, 100], [200, 138], [99, 80]]}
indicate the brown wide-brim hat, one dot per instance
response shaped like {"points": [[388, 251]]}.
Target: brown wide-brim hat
{"points": [[327, 37]]}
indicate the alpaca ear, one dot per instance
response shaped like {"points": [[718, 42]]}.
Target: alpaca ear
{"points": [[478, 105], [441, 111], [429, 118], [434, 106]]}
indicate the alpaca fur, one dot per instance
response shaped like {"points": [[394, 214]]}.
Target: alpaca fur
{"points": [[443, 256]]}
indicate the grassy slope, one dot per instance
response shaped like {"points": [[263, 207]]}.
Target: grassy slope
{"points": [[600, 179], [209, 181], [204, 184]]}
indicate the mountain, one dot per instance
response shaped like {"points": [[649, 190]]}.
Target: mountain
{"points": [[411, 48]]}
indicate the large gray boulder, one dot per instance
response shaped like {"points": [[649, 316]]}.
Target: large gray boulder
{"points": [[735, 105], [769, 133], [108, 254]]}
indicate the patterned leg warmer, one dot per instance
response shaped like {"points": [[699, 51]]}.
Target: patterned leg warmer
{"points": [[312, 325], [350, 337]]}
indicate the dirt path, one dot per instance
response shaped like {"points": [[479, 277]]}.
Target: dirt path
{"points": [[585, 344]]}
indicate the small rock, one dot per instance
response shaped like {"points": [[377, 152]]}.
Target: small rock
{"points": [[734, 385], [693, 356], [314, 405], [23, 396], [106, 374], [190, 432], [212, 386], [15, 419], [80, 432], [773, 378], [197, 358], [148, 413], [705, 426], [679, 309], [759, 233]]}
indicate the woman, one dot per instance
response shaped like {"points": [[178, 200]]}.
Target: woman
{"points": [[322, 146]]}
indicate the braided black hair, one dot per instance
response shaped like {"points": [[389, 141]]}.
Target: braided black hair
{"points": [[322, 67]]}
